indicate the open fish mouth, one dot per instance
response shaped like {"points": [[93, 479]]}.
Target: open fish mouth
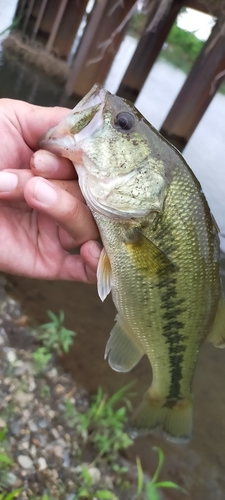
{"points": [[82, 122]]}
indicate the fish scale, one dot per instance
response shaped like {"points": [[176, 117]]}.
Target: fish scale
{"points": [[161, 251]]}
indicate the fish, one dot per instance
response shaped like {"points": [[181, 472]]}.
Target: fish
{"points": [[160, 257]]}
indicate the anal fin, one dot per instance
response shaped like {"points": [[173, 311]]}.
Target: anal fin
{"points": [[122, 353], [217, 333]]}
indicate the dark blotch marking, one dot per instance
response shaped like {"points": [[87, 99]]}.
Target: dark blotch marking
{"points": [[172, 306]]}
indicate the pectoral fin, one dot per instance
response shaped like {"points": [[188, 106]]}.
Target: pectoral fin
{"points": [[104, 276], [217, 333], [147, 256], [122, 353]]}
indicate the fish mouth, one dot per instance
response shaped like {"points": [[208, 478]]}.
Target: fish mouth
{"points": [[64, 139]]}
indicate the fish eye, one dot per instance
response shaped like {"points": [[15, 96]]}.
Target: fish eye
{"points": [[124, 121]]}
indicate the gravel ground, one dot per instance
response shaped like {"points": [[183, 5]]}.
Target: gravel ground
{"points": [[47, 449]]}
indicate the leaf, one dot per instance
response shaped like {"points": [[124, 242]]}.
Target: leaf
{"points": [[170, 484], [140, 477], [61, 316], [160, 463], [83, 493], [86, 476], [4, 459], [151, 491], [118, 396], [53, 317], [15, 22], [3, 433], [106, 495], [11, 495]]}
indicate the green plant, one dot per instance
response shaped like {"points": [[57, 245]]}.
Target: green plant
{"points": [[5, 464], [105, 495], [149, 490], [13, 25], [87, 490], [5, 461], [103, 423], [45, 391], [41, 357], [54, 336], [10, 496]]}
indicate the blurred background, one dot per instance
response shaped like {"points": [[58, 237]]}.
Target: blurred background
{"points": [[168, 57]]}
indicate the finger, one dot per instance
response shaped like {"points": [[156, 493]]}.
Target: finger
{"points": [[56, 263], [71, 187], [33, 121], [47, 165], [12, 184], [82, 267], [90, 253], [66, 210], [66, 240]]}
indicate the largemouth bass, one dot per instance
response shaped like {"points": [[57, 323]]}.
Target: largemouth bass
{"points": [[161, 250]]}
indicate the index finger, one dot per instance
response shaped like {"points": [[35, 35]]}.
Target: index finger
{"points": [[32, 121]]}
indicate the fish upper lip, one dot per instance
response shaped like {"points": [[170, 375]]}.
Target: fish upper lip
{"points": [[59, 136], [57, 144], [96, 93]]}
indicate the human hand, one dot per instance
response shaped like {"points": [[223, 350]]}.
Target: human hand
{"points": [[41, 220]]}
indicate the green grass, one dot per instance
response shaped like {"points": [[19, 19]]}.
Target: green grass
{"points": [[54, 338], [5, 465], [102, 423], [150, 490]]}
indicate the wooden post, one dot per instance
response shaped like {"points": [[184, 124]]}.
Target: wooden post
{"points": [[69, 25], [94, 57], [53, 22], [56, 24], [39, 18], [197, 91], [27, 16], [20, 11], [146, 53]]}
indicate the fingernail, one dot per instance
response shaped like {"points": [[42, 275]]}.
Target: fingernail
{"points": [[8, 181], [44, 193], [95, 250], [44, 161]]}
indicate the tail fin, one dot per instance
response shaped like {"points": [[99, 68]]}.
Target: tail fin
{"points": [[174, 417]]}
